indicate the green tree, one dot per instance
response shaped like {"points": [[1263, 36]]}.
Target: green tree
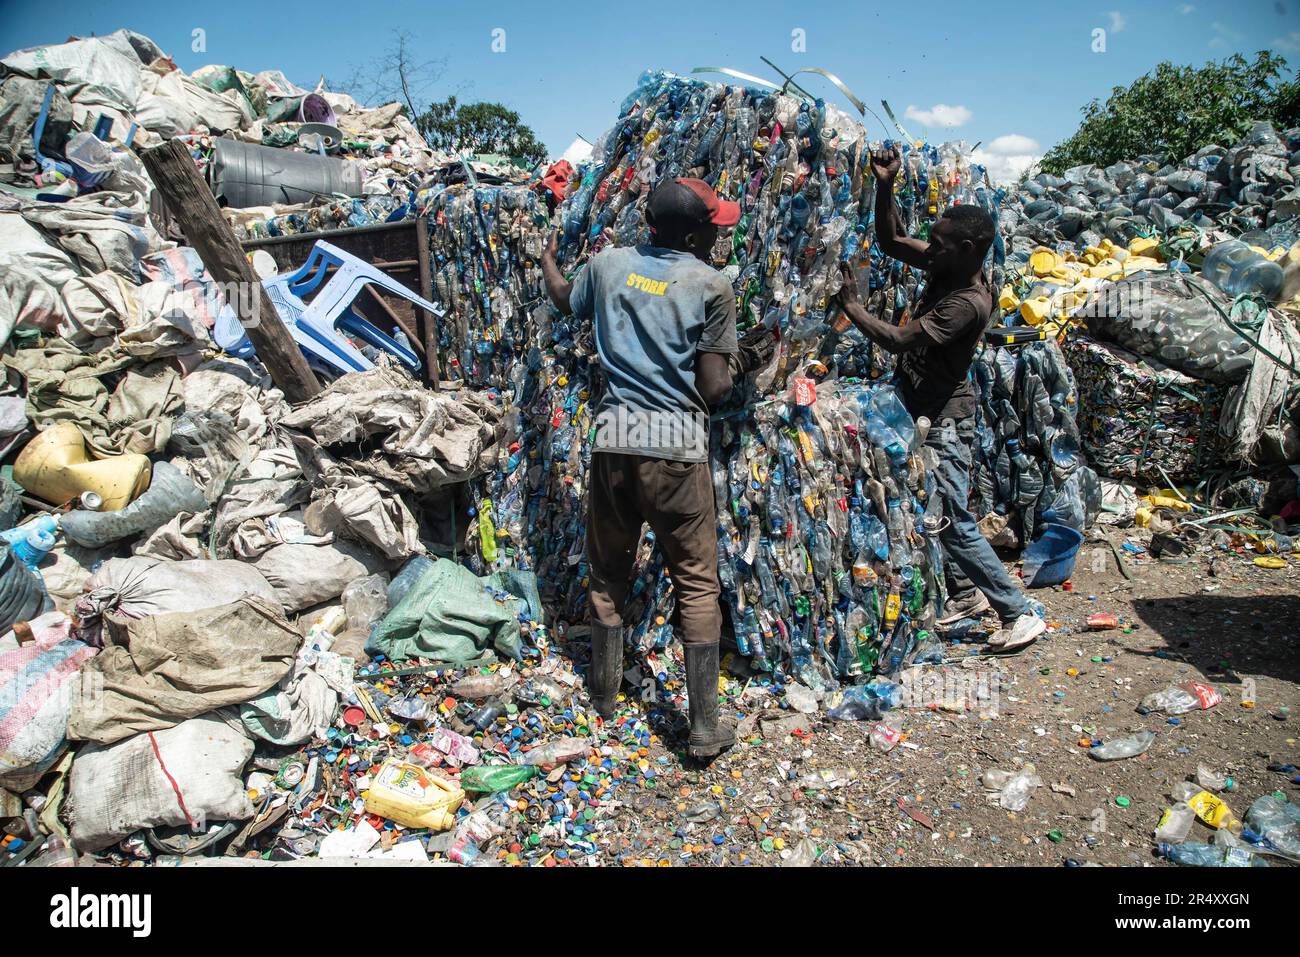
{"points": [[1179, 109], [479, 128]]}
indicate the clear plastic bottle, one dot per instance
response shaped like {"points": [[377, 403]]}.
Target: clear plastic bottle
{"points": [[1175, 824], [1277, 821], [477, 687], [1208, 855], [365, 600], [1180, 699], [1239, 270], [559, 751], [1123, 748], [1019, 789], [1212, 781]]}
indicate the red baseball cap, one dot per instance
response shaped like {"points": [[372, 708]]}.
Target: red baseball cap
{"points": [[691, 202]]}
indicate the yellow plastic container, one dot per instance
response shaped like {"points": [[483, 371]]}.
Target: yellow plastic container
{"points": [[56, 467], [1214, 812], [1167, 501], [1043, 261], [1106, 268], [1035, 311], [1143, 245], [413, 796]]}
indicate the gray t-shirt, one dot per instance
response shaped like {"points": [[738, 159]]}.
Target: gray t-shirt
{"points": [[653, 310]]}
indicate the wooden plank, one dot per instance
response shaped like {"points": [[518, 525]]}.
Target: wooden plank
{"points": [[428, 321], [192, 205], [397, 320]]}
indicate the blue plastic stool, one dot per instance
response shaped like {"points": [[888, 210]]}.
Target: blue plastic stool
{"points": [[315, 326]]}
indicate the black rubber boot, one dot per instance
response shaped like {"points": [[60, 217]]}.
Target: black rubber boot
{"points": [[709, 734], [606, 671]]}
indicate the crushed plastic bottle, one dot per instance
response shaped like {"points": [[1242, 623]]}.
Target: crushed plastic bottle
{"points": [[801, 699], [1014, 788], [1175, 824], [1213, 781], [1129, 747], [1192, 854], [365, 601], [1180, 699], [559, 751], [803, 855], [478, 687], [1277, 823]]}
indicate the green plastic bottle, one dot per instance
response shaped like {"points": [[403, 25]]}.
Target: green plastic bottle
{"points": [[489, 779]]}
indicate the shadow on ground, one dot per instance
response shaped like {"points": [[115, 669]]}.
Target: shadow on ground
{"points": [[1223, 635]]}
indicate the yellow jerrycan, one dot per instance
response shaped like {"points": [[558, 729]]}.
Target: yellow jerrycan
{"points": [[56, 467], [413, 796]]}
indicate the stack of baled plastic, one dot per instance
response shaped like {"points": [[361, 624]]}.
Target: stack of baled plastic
{"points": [[1248, 188], [486, 245], [1028, 468], [827, 568]]}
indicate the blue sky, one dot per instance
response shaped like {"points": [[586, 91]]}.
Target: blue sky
{"points": [[1012, 75]]}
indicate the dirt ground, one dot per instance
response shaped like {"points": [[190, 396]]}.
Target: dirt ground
{"points": [[1215, 618]]}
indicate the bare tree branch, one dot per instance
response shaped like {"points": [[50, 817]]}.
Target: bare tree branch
{"points": [[399, 74]]}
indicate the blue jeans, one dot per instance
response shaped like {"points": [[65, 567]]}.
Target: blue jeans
{"points": [[976, 564]]}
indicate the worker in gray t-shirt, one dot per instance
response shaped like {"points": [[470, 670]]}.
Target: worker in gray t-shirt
{"points": [[665, 329]]}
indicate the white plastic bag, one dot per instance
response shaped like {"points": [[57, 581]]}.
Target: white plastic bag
{"points": [[186, 774]]}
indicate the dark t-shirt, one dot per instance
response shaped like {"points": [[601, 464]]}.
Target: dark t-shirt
{"points": [[932, 379]]}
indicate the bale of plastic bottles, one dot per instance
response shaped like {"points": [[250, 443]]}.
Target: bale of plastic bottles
{"points": [[1138, 417], [1247, 188], [829, 569], [1165, 316], [1028, 466]]}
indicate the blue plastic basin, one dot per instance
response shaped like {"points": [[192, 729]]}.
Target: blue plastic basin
{"points": [[1050, 559]]}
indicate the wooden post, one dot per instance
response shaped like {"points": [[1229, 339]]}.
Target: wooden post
{"points": [[193, 206], [430, 321]]}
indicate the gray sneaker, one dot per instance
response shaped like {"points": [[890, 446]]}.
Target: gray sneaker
{"points": [[957, 609], [1018, 633]]}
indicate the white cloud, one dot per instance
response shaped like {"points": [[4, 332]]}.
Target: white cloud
{"points": [[1007, 156], [1012, 144], [941, 114], [1117, 21], [1186, 8], [1225, 34], [1290, 42]]}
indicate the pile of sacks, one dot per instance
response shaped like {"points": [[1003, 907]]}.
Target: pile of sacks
{"points": [[125, 76], [181, 526]]}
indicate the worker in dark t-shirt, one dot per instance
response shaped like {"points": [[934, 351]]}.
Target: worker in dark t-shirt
{"points": [[935, 350]]}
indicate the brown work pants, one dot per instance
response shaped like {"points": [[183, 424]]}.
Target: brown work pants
{"points": [[676, 499]]}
